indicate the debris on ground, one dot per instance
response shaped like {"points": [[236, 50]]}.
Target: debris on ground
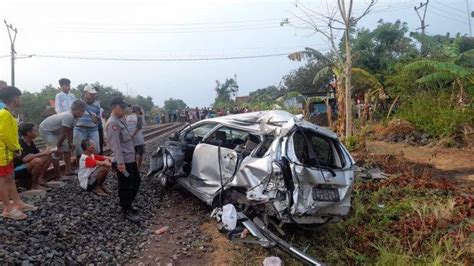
{"points": [[398, 130], [272, 261], [162, 230]]}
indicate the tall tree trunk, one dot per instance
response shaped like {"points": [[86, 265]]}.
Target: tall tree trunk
{"points": [[348, 85], [341, 118]]}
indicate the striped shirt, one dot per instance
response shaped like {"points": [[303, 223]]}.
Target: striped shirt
{"points": [[92, 113]]}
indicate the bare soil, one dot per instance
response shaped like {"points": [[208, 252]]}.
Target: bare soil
{"points": [[193, 237], [454, 163]]}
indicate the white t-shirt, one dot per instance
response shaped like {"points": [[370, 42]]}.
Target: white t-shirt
{"points": [[63, 102], [87, 165]]}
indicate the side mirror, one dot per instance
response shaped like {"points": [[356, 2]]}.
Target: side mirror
{"points": [[175, 136]]}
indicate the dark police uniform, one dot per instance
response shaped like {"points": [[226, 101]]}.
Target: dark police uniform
{"points": [[123, 149]]}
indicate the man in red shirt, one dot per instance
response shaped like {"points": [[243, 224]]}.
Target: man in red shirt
{"points": [[93, 169]]}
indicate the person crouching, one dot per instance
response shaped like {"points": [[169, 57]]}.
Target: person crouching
{"points": [[93, 169]]}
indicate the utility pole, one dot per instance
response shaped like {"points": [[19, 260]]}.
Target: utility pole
{"points": [[469, 15], [422, 19], [11, 29]]}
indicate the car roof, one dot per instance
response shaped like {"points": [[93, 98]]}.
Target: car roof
{"points": [[266, 122]]}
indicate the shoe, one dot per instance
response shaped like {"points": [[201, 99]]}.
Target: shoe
{"points": [[133, 218]]}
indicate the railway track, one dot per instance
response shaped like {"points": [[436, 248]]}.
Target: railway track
{"points": [[150, 133]]}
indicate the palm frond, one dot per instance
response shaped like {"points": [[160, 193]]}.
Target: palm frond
{"points": [[324, 72], [363, 76], [310, 54], [437, 76]]}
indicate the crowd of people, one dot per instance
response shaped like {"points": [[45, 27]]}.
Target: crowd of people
{"points": [[192, 115], [75, 133]]}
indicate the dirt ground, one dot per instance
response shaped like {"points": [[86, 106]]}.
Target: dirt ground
{"points": [[452, 162], [193, 238]]}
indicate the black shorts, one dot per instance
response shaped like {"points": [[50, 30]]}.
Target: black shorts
{"points": [[140, 149]]}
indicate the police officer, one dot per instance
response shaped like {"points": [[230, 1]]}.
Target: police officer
{"points": [[124, 163]]}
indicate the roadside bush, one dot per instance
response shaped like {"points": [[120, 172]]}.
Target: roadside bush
{"points": [[435, 114]]}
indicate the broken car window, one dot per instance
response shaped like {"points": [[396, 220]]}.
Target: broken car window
{"points": [[267, 142], [322, 150], [197, 134], [228, 137]]}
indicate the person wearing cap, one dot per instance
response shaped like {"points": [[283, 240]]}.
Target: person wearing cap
{"points": [[87, 127], [135, 122], [64, 99], [9, 146], [123, 159]]}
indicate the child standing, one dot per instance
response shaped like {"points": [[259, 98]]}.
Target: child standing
{"points": [[9, 147]]}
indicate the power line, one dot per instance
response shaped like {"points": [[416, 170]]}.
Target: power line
{"points": [[170, 32], [161, 59], [448, 6], [446, 12], [178, 24], [141, 28], [450, 18]]}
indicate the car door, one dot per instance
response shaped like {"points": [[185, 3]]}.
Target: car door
{"points": [[194, 136], [214, 161]]}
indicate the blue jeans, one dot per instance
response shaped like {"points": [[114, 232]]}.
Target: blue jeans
{"points": [[81, 133]]}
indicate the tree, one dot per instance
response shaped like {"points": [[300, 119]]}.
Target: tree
{"points": [[379, 50], [439, 72], [302, 79], [174, 104], [337, 19], [226, 92]]}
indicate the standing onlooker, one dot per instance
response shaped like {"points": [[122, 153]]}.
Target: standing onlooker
{"points": [[87, 126], [135, 122], [93, 169], [121, 143], [64, 99], [3, 84], [56, 129], [101, 130], [9, 145], [32, 164]]}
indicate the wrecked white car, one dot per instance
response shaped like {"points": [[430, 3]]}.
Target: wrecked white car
{"points": [[271, 165]]}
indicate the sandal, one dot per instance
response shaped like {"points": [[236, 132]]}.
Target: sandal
{"points": [[28, 208], [14, 214]]}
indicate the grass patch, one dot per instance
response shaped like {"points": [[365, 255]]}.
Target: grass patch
{"points": [[413, 218], [435, 113]]}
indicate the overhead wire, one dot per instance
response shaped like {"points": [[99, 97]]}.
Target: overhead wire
{"points": [[448, 13], [161, 59], [450, 18], [448, 6]]}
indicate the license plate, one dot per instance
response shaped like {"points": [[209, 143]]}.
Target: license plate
{"points": [[325, 194]]}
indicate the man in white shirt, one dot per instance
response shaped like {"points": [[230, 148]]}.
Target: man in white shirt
{"points": [[64, 99]]}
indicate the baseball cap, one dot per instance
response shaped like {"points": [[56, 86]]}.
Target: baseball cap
{"points": [[90, 89], [117, 100]]}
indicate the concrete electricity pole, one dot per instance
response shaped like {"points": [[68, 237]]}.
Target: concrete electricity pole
{"points": [[469, 15], [11, 30], [422, 19]]}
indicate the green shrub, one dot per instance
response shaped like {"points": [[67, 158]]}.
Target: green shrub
{"points": [[351, 143], [434, 113]]}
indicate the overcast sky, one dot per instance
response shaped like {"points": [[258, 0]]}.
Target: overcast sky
{"points": [[184, 29]]}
